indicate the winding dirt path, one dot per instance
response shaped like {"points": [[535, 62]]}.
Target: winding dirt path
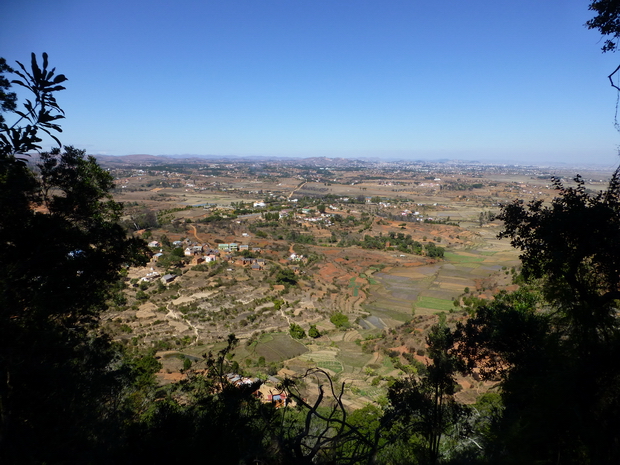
{"points": [[195, 232], [288, 320]]}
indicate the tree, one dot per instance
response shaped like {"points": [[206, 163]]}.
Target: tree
{"points": [[40, 114], [8, 100], [607, 21], [145, 218], [286, 276], [313, 332], [52, 291], [61, 248], [296, 331], [165, 241], [425, 405], [204, 414], [508, 340], [555, 345], [433, 250], [340, 320], [573, 247]]}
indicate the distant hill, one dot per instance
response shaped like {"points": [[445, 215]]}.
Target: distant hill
{"points": [[137, 159], [145, 160], [120, 161]]}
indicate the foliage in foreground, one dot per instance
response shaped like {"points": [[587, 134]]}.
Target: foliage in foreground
{"points": [[560, 382]]}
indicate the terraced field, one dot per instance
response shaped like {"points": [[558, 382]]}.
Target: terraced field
{"points": [[433, 288], [276, 347]]}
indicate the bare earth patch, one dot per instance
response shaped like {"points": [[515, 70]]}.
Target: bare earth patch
{"points": [[146, 310]]}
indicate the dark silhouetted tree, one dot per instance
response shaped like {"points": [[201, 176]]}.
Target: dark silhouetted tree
{"points": [[425, 405], [61, 248], [555, 348]]}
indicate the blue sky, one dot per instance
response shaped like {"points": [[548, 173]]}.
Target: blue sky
{"points": [[477, 79]]}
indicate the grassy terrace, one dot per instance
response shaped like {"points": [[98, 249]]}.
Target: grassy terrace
{"points": [[434, 303]]}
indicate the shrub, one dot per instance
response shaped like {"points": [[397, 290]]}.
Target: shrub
{"points": [[313, 332], [340, 320], [296, 331]]}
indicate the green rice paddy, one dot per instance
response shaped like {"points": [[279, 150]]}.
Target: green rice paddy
{"points": [[458, 258], [434, 303], [333, 365]]}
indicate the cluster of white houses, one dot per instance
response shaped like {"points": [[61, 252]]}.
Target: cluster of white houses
{"points": [[203, 253]]}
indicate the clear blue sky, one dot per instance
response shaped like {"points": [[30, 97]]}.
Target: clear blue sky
{"points": [[477, 79]]}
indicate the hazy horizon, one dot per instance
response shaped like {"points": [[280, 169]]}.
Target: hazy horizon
{"points": [[267, 158]]}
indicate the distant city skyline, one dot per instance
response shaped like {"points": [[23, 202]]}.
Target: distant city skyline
{"points": [[522, 82]]}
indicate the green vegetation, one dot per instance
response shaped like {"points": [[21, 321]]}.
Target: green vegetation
{"points": [[313, 332], [332, 365], [286, 276], [296, 331], [426, 404], [339, 320], [398, 241], [353, 285], [455, 257], [434, 303]]}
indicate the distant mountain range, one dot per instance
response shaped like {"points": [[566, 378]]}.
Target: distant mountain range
{"points": [[150, 160], [143, 159], [120, 161]]}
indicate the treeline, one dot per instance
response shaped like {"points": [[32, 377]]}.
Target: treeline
{"points": [[396, 241], [461, 186], [412, 219]]}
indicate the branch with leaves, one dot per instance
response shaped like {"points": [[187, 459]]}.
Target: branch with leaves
{"points": [[40, 113]]}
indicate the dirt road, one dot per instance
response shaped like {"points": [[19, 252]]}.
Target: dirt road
{"points": [[195, 232]]}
